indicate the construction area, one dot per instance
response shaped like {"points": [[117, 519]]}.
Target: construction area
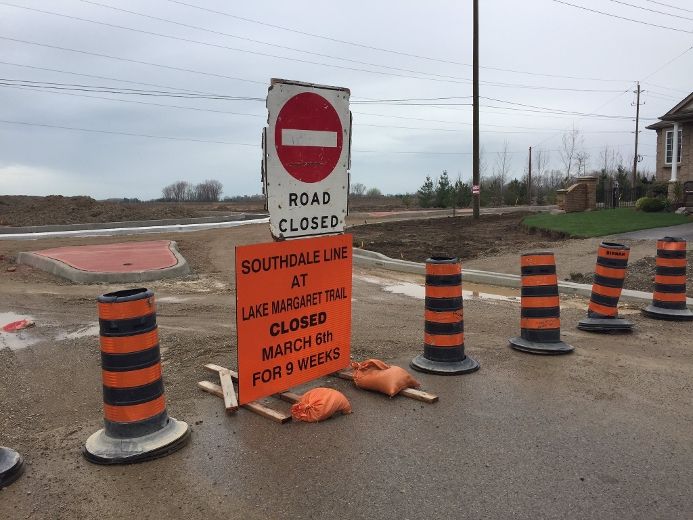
{"points": [[602, 433]]}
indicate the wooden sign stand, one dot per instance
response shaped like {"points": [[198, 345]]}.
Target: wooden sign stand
{"points": [[227, 392]]}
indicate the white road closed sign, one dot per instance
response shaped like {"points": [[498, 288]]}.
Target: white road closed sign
{"points": [[307, 158]]}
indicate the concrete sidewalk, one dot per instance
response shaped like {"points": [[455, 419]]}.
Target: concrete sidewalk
{"points": [[684, 231]]}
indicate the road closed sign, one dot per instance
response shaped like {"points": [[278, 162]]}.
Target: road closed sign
{"points": [[293, 313], [307, 151]]}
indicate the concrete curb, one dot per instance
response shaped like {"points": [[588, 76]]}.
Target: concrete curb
{"points": [[63, 270], [180, 228], [127, 224], [366, 258]]}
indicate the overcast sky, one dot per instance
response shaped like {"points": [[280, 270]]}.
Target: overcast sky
{"points": [[386, 50]]}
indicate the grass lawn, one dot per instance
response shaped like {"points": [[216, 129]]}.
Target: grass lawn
{"points": [[603, 222]]}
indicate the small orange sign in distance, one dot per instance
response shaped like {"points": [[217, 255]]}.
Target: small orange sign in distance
{"points": [[293, 313]]}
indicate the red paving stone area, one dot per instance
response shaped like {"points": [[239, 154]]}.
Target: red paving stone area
{"points": [[115, 258]]}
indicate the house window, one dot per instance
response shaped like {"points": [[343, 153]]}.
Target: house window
{"points": [[670, 146]]}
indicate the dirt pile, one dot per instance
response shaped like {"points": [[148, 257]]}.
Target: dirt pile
{"points": [[55, 209], [463, 237], [639, 276]]}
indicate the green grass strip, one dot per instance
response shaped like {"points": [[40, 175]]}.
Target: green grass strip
{"points": [[603, 222]]}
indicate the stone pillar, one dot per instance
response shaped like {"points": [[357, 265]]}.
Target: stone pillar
{"points": [[591, 182], [560, 199]]}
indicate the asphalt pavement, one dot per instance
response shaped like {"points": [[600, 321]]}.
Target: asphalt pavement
{"points": [[682, 230]]}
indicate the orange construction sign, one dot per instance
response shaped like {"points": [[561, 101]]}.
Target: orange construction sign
{"points": [[293, 313]]}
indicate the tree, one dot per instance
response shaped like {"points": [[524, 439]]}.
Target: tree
{"points": [[208, 191], [374, 192], [570, 142], [462, 193], [358, 189], [516, 192], [443, 196], [426, 193], [178, 191], [502, 167]]}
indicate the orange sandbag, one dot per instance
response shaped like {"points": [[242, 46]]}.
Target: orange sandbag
{"points": [[375, 375], [319, 404]]}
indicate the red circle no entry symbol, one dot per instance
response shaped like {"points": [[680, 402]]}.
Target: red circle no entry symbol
{"points": [[308, 137]]}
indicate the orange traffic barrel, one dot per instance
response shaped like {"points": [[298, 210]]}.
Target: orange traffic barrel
{"points": [[669, 297], [11, 466], [602, 312], [137, 426], [540, 319], [444, 321]]}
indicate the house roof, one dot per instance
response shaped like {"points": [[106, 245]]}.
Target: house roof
{"points": [[682, 112]]}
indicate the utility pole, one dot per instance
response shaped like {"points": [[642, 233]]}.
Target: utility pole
{"points": [[529, 178], [637, 121], [475, 117]]}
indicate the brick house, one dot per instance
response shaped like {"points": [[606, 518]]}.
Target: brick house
{"points": [[679, 120]]}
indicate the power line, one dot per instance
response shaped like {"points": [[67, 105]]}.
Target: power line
{"points": [[118, 90], [390, 51], [668, 62], [196, 109], [439, 78], [243, 38], [129, 60], [128, 134], [669, 5], [110, 78], [621, 17], [452, 79], [650, 10]]}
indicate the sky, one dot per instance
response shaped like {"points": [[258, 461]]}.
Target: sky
{"points": [[201, 69]]}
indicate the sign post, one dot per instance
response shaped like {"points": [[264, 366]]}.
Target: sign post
{"points": [[307, 154]]}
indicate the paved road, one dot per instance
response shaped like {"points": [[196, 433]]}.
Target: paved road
{"points": [[682, 230], [601, 433]]}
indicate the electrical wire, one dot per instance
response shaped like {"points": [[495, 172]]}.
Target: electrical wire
{"points": [[679, 16], [622, 17]]}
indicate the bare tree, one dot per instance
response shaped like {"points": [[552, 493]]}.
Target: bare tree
{"points": [[358, 189], [208, 191], [609, 160], [178, 191], [582, 159], [502, 167], [570, 142]]}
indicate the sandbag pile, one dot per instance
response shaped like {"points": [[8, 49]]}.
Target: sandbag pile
{"points": [[378, 376], [319, 404]]}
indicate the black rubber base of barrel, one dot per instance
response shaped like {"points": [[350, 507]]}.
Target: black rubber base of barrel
{"points": [[143, 457], [605, 325], [11, 466], [660, 313], [533, 347], [444, 368]]}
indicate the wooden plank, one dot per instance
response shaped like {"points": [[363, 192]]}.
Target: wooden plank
{"points": [[257, 408], [411, 393], [230, 401], [211, 367], [289, 397]]}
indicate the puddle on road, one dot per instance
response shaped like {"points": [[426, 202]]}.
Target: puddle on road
{"points": [[89, 330], [474, 291], [172, 299], [16, 340], [419, 291]]}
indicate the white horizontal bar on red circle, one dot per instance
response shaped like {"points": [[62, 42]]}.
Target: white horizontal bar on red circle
{"points": [[292, 137]]}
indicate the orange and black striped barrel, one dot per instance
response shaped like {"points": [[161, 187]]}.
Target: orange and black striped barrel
{"points": [[670, 274], [612, 261], [540, 315], [444, 318], [133, 390]]}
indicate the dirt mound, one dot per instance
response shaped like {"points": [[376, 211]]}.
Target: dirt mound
{"points": [[639, 276], [463, 237], [55, 209]]}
